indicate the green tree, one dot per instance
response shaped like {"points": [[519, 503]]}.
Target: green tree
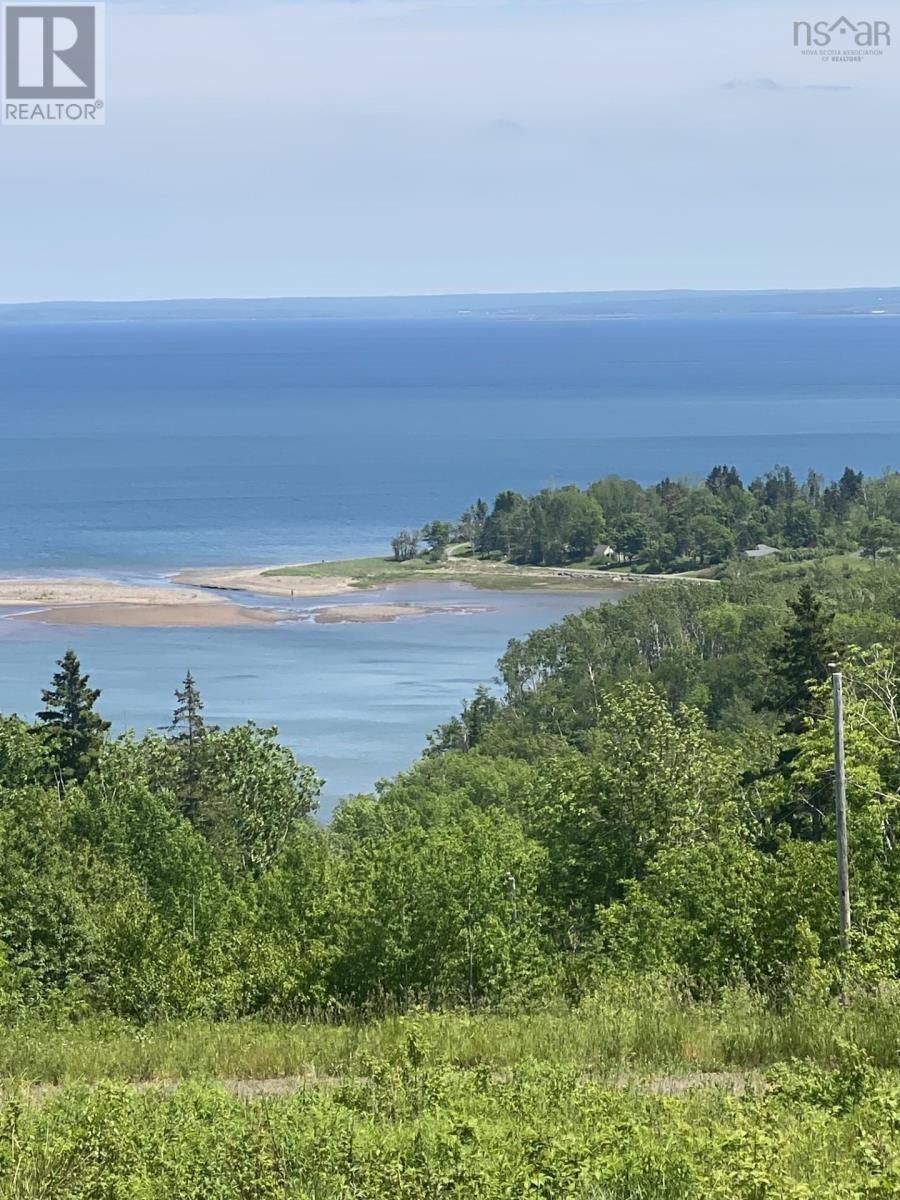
{"points": [[629, 535], [880, 534], [721, 478], [711, 540], [436, 535], [444, 907], [466, 731], [651, 778], [872, 734], [75, 732], [851, 485], [255, 794], [617, 497], [801, 660], [800, 524], [187, 734], [472, 523]]}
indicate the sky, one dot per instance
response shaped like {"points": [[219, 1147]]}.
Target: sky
{"points": [[388, 147]]}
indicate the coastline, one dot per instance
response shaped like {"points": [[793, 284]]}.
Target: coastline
{"points": [[107, 603], [341, 576], [188, 598]]}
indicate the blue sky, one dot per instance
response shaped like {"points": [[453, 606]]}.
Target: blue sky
{"points": [[391, 147]]}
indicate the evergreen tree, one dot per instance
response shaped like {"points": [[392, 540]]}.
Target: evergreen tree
{"points": [[723, 477], [801, 660], [466, 731], [187, 719], [187, 732], [75, 732], [850, 484]]}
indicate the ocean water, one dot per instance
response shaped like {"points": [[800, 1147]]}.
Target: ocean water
{"points": [[149, 445], [131, 448]]}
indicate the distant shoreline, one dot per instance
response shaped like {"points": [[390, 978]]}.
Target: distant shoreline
{"points": [[666, 302]]}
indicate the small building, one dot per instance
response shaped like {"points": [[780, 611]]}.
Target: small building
{"points": [[761, 550], [604, 550]]}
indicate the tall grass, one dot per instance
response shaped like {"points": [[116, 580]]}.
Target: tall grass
{"points": [[627, 1027]]}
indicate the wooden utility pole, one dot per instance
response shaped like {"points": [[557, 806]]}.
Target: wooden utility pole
{"points": [[840, 807]]}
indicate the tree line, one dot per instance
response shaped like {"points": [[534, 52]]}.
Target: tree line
{"points": [[674, 524]]}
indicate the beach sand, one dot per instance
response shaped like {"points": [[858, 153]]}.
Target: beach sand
{"points": [[131, 614], [89, 590], [90, 601], [264, 581], [103, 602]]}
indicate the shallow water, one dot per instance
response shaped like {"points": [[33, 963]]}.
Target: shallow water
{"points": [[355, 700]]}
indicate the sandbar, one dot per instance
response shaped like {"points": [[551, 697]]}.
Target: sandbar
{"points": [[89, 590], [210, 615], [264, 581]]}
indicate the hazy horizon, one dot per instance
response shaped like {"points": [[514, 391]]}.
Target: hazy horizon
{"points": [[423, 147], [483, 293], [880, 301]]}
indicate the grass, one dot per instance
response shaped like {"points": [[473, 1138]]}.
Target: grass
{"points": [[636, 1094], [620, 1030], [500, 575], [411, 1131], [458, 568]]}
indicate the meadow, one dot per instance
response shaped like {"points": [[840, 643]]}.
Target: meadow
{"points": [[637, 1093]]}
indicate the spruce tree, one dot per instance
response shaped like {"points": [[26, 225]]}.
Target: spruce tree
{"points": [[187, 719], [187, 731], [801, 660], [74, 730]]}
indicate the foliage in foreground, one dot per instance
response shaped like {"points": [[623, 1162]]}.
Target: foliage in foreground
{"points": [[409, 1130]]}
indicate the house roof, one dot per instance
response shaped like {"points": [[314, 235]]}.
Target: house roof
{"points": [[761, 551]]}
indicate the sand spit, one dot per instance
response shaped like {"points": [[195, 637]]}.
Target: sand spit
{"points": [[264, 581], [88, 590], [134, 615], [338, 614]]}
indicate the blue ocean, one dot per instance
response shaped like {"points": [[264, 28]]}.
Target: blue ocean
{"points": [[131, 448]]}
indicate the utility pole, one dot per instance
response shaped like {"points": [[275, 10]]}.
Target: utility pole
{"points": [[840, 807]]}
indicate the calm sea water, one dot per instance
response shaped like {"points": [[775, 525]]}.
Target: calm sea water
{"points": [[354, 700], [132, 448]]}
